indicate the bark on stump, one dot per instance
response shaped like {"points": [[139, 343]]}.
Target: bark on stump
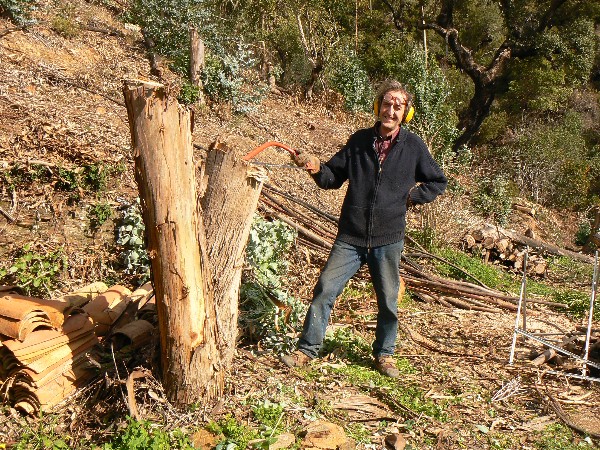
{"points": [[197, 325], [231, 191]]}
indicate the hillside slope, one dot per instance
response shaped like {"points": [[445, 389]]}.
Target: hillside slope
{"points": [[65, 153]]}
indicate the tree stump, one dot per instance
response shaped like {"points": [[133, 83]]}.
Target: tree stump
{"points": [[197, 324]]}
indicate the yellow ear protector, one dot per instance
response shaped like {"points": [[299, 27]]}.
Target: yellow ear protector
{"points": [[409, 111]]}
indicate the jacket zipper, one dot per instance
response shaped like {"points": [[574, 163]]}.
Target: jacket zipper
{"points": [[372, 207]]}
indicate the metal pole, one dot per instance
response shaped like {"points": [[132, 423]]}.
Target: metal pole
{"points": [[524, 288], [521, 296], [591, 316]]}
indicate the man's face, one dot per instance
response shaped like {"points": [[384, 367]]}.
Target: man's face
{"points": [[391, 111]]}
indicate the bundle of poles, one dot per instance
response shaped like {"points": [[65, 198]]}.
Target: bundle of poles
{"points": [[317, 229]]}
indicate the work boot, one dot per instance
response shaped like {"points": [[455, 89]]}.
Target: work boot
{"points": [[386, 365], [296, 359]]}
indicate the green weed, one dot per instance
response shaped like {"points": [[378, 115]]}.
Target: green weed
{"points": [[95, 177], [98, 214], [232, 432], [567, 270], [349, 345], [359, 433], [145, 436], [65, 26], [43, 435], [502, 441], [577, 301], [487, 274], [34, 273], [560, 437], [270, 416], [397, 391]]}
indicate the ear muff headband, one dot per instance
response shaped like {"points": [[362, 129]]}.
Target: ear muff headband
{"points": [[408, 115], [409, 112]]}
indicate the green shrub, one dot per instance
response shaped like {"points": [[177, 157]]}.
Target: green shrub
{"points": [[189, 94], [227, 76], [130, 232], [494, 198], [348, 77], [435, 119], [550, 162], [261, 288], [583, 233], [95, 177], [98, 214], [68, 180], [65, 26], [19, 10]]}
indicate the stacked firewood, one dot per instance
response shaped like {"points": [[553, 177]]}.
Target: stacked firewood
{"points": [[575, 344], [497, 247]]}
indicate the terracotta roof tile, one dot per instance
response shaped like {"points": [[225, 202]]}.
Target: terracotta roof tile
{"points": [[20, 315], [41, 367], [107, 307]]}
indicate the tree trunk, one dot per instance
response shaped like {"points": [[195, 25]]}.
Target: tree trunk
{"points": [[470, 119], [164, 170], [196, 57], [228, 205], [594, 230]]}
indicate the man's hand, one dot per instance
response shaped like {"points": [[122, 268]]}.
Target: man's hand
{"points": [[310, 162]]}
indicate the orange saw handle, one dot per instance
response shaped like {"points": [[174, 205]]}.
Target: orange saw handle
{"points": [[260, 148]]}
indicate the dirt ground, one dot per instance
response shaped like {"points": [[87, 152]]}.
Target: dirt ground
{"points": [[61, 107]]}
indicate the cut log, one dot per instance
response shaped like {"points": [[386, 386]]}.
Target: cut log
{"points": [[488, 232], [469, 241], [524, 209], [548, 248], [543, 357], [502, 245]]}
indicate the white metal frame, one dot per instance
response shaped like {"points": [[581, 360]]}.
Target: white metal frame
{"points": [[540, 337]]}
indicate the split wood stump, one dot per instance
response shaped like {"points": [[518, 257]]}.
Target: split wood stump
{"points": [[195, 245]]}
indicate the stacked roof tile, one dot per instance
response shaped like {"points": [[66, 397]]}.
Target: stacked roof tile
{"points": [[44, 343]]}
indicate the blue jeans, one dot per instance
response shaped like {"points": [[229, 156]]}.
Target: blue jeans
{"points": [[343, 262]]}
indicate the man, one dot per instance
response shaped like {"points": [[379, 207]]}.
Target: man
{"points": [[388, 169]]}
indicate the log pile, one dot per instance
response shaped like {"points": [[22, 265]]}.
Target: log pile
{"points": [[575, 344], [44, 344], [497, 247]]}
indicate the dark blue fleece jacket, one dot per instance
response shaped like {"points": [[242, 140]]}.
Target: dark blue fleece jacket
{"points": [[374, 209]]}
